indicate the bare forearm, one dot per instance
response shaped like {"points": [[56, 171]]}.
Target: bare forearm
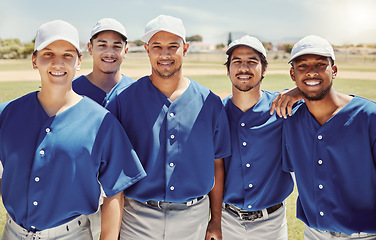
{"points": [[216, 196], [112, 210]]}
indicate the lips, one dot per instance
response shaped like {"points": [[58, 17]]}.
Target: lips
{"points": [[58, 74], [244, 76], [165, 63], [312, 82], [109, 60]]}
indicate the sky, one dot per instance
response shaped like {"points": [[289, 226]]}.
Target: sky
{"points": [[277, 21]]}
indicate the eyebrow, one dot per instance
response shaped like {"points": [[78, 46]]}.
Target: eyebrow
{"points": [[318, 58], [250, 58], [67, 50], [105, 41], [171, 43]]}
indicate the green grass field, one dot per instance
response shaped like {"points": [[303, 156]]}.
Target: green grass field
{"points": [[219, 84]]}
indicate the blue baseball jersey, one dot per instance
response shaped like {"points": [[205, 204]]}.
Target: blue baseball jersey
{"points": [[254, 176], [52, 165], [335, 167], [83, 86], [176, 142]]}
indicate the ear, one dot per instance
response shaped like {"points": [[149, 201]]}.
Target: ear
{"points": [[264, 72], [79, 64], [146, 46], [34, 61], [334, 71], [292, 74], [126, 49], [90, 48], [185, 49]]}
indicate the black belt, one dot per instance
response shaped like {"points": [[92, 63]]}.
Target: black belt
{"points": [[248, 215], [173, 206]]}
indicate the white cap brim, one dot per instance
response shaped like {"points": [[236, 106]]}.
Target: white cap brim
{"points": [[57, 38]]}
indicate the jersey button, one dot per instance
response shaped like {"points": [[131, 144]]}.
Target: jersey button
{"points": [[35, 203], [249, 206], [48, 130], [244, 144], [172, 114], [41, 152], [321, 186], [36, 179], [320, 161], [242, 124], [171, 164], [250, 185], [172, 136], [321, 214], [319, 137], [248, 165], [172, 188]]}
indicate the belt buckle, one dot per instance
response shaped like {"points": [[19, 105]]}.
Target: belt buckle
{"points": [[250, 216]]}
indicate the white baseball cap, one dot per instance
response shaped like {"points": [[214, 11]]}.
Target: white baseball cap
{"points": [[108, 24], [248, 41], [312, 45], [164, 23], [56, 30]]}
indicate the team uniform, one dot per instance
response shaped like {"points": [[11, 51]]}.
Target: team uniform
{"points": [[53, 165], [256, 186], [334, 165], [177, 143], [83, 86]]}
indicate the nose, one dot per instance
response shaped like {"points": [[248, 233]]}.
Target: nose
{"points": [[312, 74], [165, 52], [243, 67], [57, 62]]}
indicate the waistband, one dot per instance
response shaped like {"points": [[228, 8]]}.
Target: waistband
{"points": [[354, 235], [59, 231], [251, 215], [173, 206]]}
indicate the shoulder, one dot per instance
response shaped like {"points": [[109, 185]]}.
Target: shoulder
{"points": [[79, 79], [226, 100], [18, 103]]}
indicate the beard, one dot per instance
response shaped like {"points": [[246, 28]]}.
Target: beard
{"points": [[247, 87], [317, 97], [167, 75]]}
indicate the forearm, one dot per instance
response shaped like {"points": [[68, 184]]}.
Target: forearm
{"points": [[112, 210], [216, 194]]}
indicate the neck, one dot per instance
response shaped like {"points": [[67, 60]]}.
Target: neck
{"points": [[104, 81], [171, 87], [54, 100], [329, 106], [245, 100]]}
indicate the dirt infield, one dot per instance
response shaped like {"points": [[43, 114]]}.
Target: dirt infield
{"points": [[33, 75]]}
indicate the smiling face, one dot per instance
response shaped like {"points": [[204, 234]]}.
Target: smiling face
{"points": [[245, 69], [166, 52], [108, 50], [57, 63], [313, 75]]}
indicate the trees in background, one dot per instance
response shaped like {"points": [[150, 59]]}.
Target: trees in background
{"points": [[14, 49]]}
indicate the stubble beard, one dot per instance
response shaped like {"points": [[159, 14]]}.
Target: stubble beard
{"points": [[248, 88], [167, 74], [319, 96]]}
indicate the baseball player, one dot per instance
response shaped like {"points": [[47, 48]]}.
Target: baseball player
{"points": [[180, 132], [256, 186], [330, 144], [108, 47], [57, 146]]}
